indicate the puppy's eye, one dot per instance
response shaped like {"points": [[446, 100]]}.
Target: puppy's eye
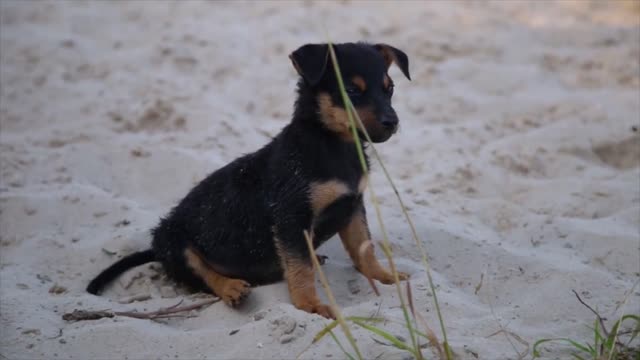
{"points": [[389, 90], [353, 91]]}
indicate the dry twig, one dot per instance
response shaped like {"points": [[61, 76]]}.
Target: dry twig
{"points": [[600, 319], [171, 311]]}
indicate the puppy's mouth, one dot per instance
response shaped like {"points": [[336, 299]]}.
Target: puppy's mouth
{"points": [[380, 127], [378, 136], [382, 137]]}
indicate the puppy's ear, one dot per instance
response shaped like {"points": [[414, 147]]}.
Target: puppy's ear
{"points": [[391, 54], [310, 62]]}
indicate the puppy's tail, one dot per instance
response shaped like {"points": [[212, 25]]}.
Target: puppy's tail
{"points": [[122, 265]]}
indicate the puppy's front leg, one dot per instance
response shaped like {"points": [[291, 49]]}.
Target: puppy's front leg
{"points": [[300, 277], [353, 236]]}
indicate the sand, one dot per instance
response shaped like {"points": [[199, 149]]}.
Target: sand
{"points": [[516, 157]]}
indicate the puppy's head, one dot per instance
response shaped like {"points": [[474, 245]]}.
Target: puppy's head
{"points": [[364, 70]]}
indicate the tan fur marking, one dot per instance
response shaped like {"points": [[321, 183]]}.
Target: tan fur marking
{"points": [[232, 291], [279, 250], [362, 185], [388, 55], [359, 82], [300, 279], [334, 118], [323, 194], [369, 120], [386, 81], [353, 236]]}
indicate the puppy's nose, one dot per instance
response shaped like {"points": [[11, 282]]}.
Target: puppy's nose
{"points": [[390, 122]]}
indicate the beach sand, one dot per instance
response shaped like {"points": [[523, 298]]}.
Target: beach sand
{"points": [[517, 158]]}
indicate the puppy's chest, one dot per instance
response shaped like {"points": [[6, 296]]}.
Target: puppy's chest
{"points": [[324, 194]]}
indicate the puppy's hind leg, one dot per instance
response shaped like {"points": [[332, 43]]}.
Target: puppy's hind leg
{"points": [[231, 291]]}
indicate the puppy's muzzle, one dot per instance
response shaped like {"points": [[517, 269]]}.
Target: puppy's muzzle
{"points": [[390, 121]]}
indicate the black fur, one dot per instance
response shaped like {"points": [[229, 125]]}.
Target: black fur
{"points": [[230, 217]]}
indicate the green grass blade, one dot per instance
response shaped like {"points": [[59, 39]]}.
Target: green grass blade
{"points": [[573, 343], [335, 338], [579, 346], [365, 319], [332, 325], [610, 342], [389, 337], [635, 331], [631, 316], [597, 337], [345, 100], [334, 305], [351, 114], [414, 234], [327, 329]]}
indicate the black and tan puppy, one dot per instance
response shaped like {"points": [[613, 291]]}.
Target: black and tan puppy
{"points": [[243, 225]]}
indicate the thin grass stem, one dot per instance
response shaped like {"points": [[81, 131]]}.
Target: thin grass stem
{"points": [[617, 329], [332, 299], [351, 113], [335, 338], [414, 233]]}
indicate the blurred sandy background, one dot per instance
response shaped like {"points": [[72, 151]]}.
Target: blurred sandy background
{"points": [[517, 157]]}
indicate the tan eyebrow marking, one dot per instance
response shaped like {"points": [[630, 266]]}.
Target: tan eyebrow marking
{"points": [[359, 82]]}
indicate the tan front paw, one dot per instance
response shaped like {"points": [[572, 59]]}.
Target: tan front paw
{"points": [[235, 291], [317, 308], [403, 276], [387, 277], [324, 310]]}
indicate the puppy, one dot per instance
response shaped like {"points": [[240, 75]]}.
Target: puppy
{"points": [[244, 224]]}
